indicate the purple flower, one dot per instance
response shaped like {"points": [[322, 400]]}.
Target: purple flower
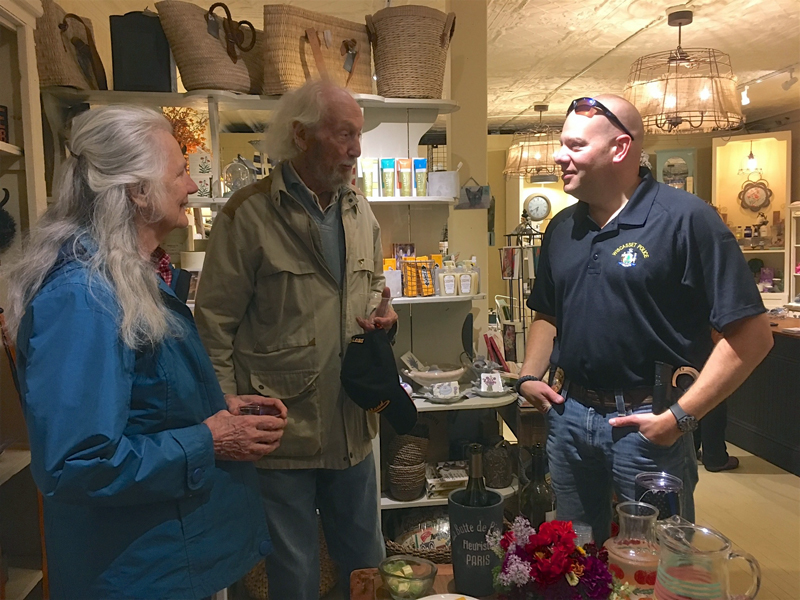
{"points": [[596, 579], [515, 571]]}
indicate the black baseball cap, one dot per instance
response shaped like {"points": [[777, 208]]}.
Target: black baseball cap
{"points": [[369, 376]]}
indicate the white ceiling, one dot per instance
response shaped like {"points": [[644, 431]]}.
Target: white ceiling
{"points": [[551, 51]]}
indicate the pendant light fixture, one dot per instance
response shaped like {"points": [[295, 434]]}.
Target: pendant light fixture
{"points": [[686, 89], [531, 152]]}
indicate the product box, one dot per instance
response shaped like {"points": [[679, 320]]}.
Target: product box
{"points": [[444, 477]]}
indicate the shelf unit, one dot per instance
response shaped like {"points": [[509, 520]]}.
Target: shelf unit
{"points": [[388, 503], [22, 174], [792, 280], [424, 405], [435, 299], [729, 173]]}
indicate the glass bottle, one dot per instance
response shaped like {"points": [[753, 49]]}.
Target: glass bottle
{"points": [[476, 494], [537, 502], [633, 553]]}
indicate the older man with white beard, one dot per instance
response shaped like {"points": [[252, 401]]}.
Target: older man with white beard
{"points": [[288, 279]]}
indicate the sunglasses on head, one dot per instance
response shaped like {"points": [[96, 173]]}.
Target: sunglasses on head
{"points": [[591, 107]]}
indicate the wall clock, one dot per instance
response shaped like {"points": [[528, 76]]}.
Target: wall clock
{"points": [[755, 195], [537, 207]]}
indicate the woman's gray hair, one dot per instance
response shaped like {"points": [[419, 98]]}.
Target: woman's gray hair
{"points": [[113, 151], [304, 105]]}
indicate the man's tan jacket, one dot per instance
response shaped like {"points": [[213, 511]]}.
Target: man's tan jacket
{"points": [[276, 323]]}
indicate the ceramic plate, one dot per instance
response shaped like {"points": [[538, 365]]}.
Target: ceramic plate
{"points": [[482, 394], [448, 597]]}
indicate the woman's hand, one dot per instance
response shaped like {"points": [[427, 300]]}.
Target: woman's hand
{"points": [[246, 437]]}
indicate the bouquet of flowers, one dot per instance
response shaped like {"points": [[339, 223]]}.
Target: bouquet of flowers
{"points": [[547, 565]]}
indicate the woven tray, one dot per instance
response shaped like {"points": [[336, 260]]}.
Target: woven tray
{"points": [[440, 556], [410, 46], [288, 55]]}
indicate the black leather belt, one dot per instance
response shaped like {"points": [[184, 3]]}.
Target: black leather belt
{"points": [[606, 401]]}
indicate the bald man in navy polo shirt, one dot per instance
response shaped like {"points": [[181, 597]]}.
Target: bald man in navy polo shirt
{"points": [[635, 273]]}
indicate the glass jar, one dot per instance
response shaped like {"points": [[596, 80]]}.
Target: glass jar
{"points": [[633, 553]]}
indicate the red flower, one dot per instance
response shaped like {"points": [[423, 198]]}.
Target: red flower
{"points": [[508, 537]]}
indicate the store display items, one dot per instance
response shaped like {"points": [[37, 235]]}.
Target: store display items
{"points": [[388, 177], [446, 277], [370, 173], [537, 502], [476, 493], [407, 577], [405, 176], [444, 477], [633, 553], [420, 176], [693, 563], [497, 462]]}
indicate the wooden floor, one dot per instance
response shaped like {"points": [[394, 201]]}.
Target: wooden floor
{"points": [[756, 506]]}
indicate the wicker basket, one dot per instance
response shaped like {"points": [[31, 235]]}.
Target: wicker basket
{"points": [[202, 59], [301, 44], [410, 45], [56, 54], [440, 556], [255, 582]]}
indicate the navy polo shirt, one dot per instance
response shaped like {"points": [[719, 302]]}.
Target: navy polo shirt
{"points": [[648, 286]]}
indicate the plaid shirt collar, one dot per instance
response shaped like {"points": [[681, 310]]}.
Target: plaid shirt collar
{"points": [[162, 263]]}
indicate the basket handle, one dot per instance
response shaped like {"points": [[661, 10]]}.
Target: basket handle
{"points": [[449, 29], [372, 33], [313, 41], [94, 57], [234, 36]]}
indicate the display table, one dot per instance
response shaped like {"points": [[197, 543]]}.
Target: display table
{"points": [[366, 584], [764, 413]]}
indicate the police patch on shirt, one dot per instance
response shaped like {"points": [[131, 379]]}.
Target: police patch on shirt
{"points": [[629, 254]]}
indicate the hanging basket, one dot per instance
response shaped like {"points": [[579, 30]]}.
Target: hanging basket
{"points": [[255, 582], [206, 56], [301, 44], [410, 47]]}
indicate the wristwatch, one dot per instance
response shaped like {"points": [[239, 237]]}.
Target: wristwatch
{"points": [[524, 379], [686, 422]]}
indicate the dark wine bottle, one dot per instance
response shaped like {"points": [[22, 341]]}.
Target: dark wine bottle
{"points": [[537, 502], [476, 494]]}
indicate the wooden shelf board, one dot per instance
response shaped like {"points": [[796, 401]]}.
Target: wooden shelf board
{"points": [[388, 503], [9, 150], [21, 582], [12, 462], [466, 404], [765, 251], [412, 200], [435, 299], [231, 101]]}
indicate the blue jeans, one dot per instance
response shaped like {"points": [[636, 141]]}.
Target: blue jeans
{"points": [[587, 456], [347, 500]]}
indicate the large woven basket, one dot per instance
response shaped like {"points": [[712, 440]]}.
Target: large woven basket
{"points": [[56, 56], [440, 556], [410, 47], [255, 582], [203, 59], [289, 59]]}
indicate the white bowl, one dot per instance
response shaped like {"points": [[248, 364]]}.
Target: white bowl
{"points": [[428, 378]]}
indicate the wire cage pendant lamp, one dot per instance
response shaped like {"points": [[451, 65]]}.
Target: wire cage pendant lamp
{"points": [[531, 152], [686, 89]]}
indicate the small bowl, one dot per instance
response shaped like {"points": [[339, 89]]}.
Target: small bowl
{"points": [[428, 378], [407, 577]]}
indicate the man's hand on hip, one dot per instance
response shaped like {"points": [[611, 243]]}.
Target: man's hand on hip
{"points": [[661, 429], [540, 395]]}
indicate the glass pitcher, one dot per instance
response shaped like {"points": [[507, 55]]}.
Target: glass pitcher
{"points": [[693, 563], [633, 553]]}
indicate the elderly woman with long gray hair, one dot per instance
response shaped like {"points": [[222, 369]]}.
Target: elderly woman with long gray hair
{"points": [[144, 466]]}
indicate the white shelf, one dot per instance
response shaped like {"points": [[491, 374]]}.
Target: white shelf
{"points": [[206, 202], [21, 582], [12, 462], [435, 299], [230, 101], [424, 405], [388, 503], [412, 200], [9, 150], [767, 251]]}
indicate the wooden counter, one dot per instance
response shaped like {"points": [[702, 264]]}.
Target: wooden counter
{"points": [[366, 584], [764, 413]]}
